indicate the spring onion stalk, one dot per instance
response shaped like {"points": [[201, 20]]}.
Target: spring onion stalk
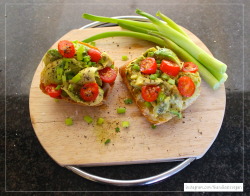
{"points": [[125, 124], [171, 23], [69, 121], [124, 58], [100, 121], [207, 60], [107, 141], [145, 25], [88, 119], [151, 38]]}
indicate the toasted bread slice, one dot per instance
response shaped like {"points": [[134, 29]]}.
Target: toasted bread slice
{"points": [[76, 73], [174, 101]]}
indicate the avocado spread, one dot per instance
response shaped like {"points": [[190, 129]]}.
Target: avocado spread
{"points": [[72, 73], [169, 101]]}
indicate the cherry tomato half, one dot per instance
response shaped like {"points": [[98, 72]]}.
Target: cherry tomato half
{"points": [[107, 75], [186, 86], [148, 65], [190, 67], [169, 68], [51, 90], [95, 55], [150, 92], [66, 49], [89, 91]]}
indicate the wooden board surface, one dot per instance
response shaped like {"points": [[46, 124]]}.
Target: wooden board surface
{"points": [[83, 144]]}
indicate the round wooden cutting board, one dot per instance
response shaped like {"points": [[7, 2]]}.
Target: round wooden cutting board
{"points": [[83, 144]]}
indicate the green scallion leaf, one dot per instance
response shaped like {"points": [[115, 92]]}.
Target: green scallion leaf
{"points": [[107, 141], [125, 124], [100, 121], [153, 126], [124, 58], [117, 129], [58, 87]]}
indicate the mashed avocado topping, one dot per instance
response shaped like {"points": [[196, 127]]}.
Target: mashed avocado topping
{"points": [[74, 72], [163, 84]]}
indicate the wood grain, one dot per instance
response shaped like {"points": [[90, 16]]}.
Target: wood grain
{"points": [[83, 144]]}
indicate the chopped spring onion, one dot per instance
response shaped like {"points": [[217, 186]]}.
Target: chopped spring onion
{"points": [[100, 121], [92, 43], [153, 76], [125, 124], [124, 58], [107, 141], [88, 119], [136, 67], [161, 97], [171, 81], [79, 52], [153, 126], [69, 121], [117, 129], [76, 78], [121, 110], [128, 101], [86, 58], [58, 87]]}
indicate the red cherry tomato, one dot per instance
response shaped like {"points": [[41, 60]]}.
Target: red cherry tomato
{"points": [[89, 91], [150, 92], [95, 55], [107, 75], [189, 67], [186, 86], [50, 89], [148, 65], [169, 68], [66, 49]]}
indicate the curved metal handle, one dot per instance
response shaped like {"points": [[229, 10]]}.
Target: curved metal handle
{"points": [[137, 182]]}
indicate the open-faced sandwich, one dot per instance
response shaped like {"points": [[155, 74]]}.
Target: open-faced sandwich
{"points": [[78, 72], [161, 85]]}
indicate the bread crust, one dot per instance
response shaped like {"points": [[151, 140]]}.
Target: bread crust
{"points": [[142, 109]]}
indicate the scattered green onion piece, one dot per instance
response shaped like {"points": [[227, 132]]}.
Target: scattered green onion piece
{"points": [[128, 101], [161, 97], [165, 76], [64, 79], [177, 113], [153, 126], [124, 58], [76, 78], [69, 121], [59, 72], [58, 87], [125, 124], [112, 66], [107, 141], [171, 81], [117, 129], [89, 63], [158, 73], [88, 119], [153, 76], [86, 58], [100, 121], [147, 104], [79, 52], [150, 54], [136, 67], [121, 110]]}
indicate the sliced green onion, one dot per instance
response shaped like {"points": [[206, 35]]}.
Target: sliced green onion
{"points": [[161, 97], [124, 58], [69, 121], [136, 67], [153, 76], [107, 141], [177, 113], [158, 73], [128, 101], [153, 126], [88, 119], [76, 78], [164, 76], [150, 54], [59, 72], [147, 104], [117, 129], [58, 87], [86, 58], [100, 121], [125, 124], [79, 52], [112, 66], [171, 81], [121, 110], [64, 79]]}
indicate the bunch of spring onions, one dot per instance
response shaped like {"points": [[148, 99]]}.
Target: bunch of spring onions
{"points": [[167, 33]]}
